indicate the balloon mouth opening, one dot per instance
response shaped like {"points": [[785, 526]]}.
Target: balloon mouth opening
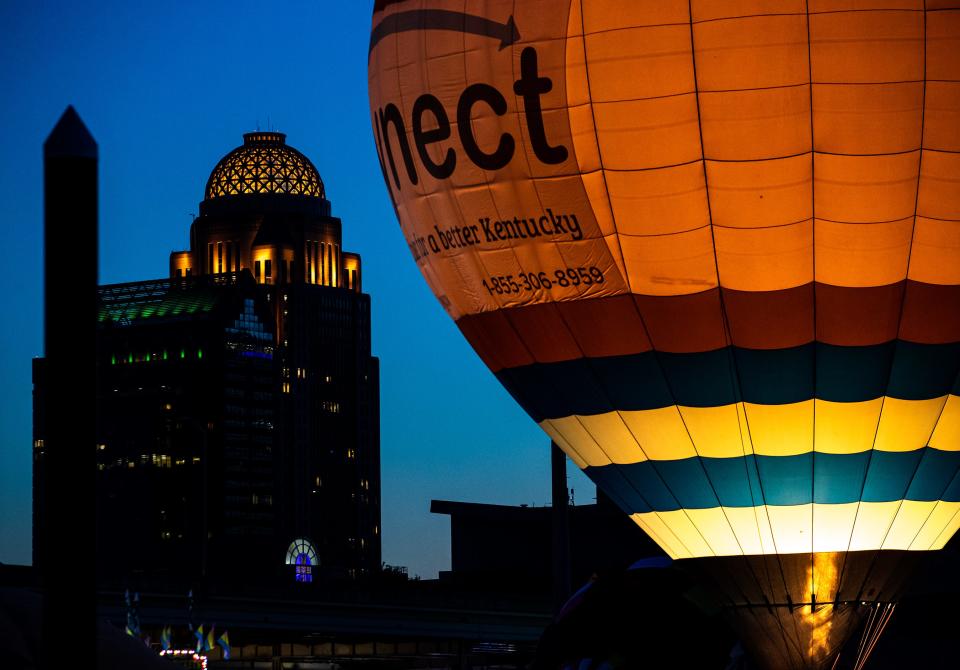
{"points": [[811, 610]]}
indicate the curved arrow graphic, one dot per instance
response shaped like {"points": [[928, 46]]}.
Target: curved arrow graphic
{"points": [[442, 19]]}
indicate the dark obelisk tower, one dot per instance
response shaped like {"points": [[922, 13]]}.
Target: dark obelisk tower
{"points": [[66, 559]]}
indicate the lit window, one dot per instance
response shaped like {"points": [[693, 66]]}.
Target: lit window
{"points": [[303, 556]]}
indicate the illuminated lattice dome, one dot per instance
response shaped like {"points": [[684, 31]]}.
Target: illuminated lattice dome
{"points": [[264, 164]]}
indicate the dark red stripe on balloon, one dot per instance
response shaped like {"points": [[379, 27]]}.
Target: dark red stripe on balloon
{"points": [[931, 314], [764, 320], [380, 5]]}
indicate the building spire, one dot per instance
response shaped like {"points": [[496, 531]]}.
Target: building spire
{"points": [[70, 138]]}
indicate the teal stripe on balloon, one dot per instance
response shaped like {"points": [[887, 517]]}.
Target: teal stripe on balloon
{"points": [[652, 380], [701, 483]]}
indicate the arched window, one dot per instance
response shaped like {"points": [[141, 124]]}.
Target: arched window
{"points": [[302, 555]]}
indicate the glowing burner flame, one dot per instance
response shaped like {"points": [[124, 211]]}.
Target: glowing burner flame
{"points": [[821, 579]]}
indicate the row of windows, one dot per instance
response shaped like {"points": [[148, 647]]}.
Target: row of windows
{"points": [[148, 460], [153, 356], [216, 257], [263, 272], [242, 410], [322, 261], [256, 396], [252, 499]]}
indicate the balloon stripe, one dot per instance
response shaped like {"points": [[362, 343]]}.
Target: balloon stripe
{"points": [[673, 433], [846, 316], [935, 520], [844, 374], [786, 480]]}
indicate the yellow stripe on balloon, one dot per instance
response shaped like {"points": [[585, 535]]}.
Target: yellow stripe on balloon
{"points": [[952, 526], [714, 526], [931, 535], [736, 430], [911, 516], [662, 534], [781, 430], [906, 425], [661, 433], [735, 531], [570, 448], [946, 436], [846, 427], [717, 432]]}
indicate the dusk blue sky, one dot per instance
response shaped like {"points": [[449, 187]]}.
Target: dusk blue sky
{"points": [[167, 89]]}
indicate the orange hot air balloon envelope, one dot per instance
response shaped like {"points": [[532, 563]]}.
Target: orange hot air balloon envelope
{"points": [[713, 249]]}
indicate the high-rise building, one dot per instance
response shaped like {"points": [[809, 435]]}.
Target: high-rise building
{"points": [[239, 401]]}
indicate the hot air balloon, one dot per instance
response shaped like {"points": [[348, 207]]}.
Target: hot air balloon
{"points": [[713, 249]]}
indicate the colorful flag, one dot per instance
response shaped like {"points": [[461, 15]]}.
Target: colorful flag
{"points": [[165, 635], [224, 642], [198, 633], [132, 627], [208, 644]]}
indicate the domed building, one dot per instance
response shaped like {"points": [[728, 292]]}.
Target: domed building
{"points": [[266, 211], [239, 430]]}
